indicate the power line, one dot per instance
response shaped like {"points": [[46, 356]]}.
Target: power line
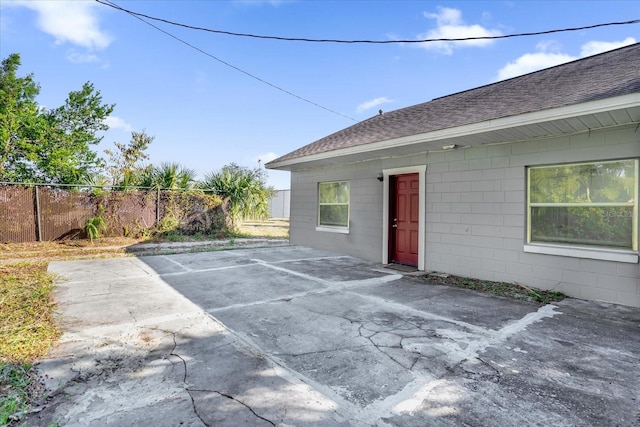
{"points": [[301, 39], [108, 3]]}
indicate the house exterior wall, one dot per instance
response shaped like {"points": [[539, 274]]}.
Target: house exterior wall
{"points": [[364, 238], [475, 206]]}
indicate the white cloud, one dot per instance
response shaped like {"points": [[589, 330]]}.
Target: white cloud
{"points": [[73, 22], [115, 122], [449, 26], [596, 47], [549, 55], [81, 58], [373, 103], [530, 62], [549, 46]]}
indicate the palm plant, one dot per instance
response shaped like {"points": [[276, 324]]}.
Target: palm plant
{"points": [[168, 175], [244, 188]]}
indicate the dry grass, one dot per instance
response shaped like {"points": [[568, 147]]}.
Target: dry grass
{"points": [[272, 227], [66, 249], [27, 331], [27, 326]]}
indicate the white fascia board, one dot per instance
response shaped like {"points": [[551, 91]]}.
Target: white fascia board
{"points": [[585, 108]]}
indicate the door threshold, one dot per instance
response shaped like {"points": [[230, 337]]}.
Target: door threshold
{"points": [[402, 267]]}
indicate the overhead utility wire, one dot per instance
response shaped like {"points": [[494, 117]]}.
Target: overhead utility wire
{"points": [[230, 65], [301, 39]]}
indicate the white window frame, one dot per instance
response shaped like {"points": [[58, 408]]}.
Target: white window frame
{"points": [[577, 251], [334, 228]]}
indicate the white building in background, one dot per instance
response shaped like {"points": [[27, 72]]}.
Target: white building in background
{"points": [[280, 205]]}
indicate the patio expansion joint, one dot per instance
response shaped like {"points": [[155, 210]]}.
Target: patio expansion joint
{"points": [[461, 347], [330, 286], [174, 262], [329, 350], [343, 408]]}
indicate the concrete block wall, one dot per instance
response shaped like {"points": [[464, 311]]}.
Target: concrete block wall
{"points": [[475, 214], [365, 233]]}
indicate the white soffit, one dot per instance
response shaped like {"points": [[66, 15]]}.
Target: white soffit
{"points": [[587, 116]]}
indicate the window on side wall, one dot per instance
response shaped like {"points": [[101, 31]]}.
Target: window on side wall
{"points": [[584, 205], [333, 206]]}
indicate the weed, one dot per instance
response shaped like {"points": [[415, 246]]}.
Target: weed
{"points": [[96, 225], [15, 393], [173, 236], [167, 224], [510, 290]]}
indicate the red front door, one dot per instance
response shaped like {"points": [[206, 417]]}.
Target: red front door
{"points": [[404, 219]]}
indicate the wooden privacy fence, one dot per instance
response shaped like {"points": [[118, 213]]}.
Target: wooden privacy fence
{"points": [[46, 213]]}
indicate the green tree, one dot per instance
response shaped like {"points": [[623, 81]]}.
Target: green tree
{"points": [[47, 146], [125, 163], [244, 188], [21, 122]]}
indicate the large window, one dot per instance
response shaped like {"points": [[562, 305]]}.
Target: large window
{"points": [[584, 204], [333, 204]]}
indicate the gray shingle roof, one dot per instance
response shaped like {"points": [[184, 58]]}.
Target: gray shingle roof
{"points": [[602, 76]]}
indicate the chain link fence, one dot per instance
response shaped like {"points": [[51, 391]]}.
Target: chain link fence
{"points": [[47, 213]]}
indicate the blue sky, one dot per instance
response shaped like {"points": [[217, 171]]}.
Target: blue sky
{"points": [[205, 114]]}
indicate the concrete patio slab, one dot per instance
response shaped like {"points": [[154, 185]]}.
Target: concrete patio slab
{"points": [[292, 336]]}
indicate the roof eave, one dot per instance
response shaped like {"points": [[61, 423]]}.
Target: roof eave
{"points": [[433, 140]]}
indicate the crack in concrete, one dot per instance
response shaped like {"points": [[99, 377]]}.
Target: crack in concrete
{"points": [[172, 352], [228, 396], [185, 376], [458, 346], [405, 309], [380, 347], [393, 330], [498, 373], [195, 408]]}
